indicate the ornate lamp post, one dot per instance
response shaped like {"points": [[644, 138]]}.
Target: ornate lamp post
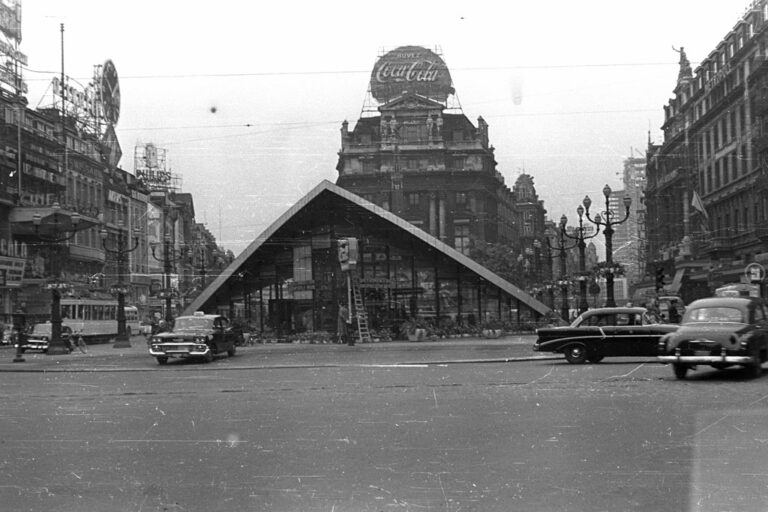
{"points": [[563, 248], [608, 221], [167, 260], [56, 345], [537, 259], [581, 244], [120, 289]]}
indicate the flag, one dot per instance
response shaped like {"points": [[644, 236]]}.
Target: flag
{"points": [[699, 205]]}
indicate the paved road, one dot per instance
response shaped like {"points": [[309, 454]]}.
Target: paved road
{"points": [[104, 357], [343, 429]]}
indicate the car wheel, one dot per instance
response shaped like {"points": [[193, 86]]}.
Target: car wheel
{"points": [[231, 351], [576, 354], [208, 357], [755, 369], [680, 370], [595, 359], [162, 359]]}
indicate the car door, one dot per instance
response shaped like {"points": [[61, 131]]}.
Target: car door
{"points": [[625, 335], [647, 333], [606, 344], [761, 325]]}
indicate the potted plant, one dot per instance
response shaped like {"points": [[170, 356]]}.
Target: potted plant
{"points": [[491, 329], [413, 330]]}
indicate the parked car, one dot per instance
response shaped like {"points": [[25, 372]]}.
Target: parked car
{"points": [[719, 332], [200, 336], [39, 337], [605, 332]]}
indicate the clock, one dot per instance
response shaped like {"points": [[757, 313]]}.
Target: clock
{"points": [[109, 89]]}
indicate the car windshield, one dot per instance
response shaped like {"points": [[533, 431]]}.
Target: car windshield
{"points": [[41, 329], [715, 314], [186, 323]]}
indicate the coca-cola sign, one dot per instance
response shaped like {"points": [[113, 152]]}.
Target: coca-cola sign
{"points": [[410, 69]]}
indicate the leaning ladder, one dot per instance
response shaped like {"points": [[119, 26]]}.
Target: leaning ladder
{"points": [[363, 333]]}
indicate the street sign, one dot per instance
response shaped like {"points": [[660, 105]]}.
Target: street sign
{"points": [[755, 272]]}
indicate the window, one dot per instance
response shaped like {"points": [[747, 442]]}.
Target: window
{"points": [[413, 198], [461, 238], [461, 198]]}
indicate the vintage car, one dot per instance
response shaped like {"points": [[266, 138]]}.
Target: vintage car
{"points": [[719, 332], [605, 332], [39, 336], [199, 336]]}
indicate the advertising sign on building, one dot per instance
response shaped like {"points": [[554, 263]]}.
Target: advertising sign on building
{"points": [[413, 69], [10, 19], [12, 270]]}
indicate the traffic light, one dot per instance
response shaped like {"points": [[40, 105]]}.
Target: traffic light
{"points": [[659, 279], [348, 253]]}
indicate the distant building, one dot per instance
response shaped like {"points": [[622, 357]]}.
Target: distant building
{"points": [[414, 153], [707, 181]]}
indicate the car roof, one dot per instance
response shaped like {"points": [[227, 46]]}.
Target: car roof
{"points": [[201, 316], [632, 310], [725, 301]]}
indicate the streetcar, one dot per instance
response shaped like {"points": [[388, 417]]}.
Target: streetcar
{"points": [[95, 319]]}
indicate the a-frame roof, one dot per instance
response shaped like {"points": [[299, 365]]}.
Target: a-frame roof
{"points": [[327, 187]]}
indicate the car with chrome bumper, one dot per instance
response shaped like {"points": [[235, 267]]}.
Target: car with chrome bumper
{"points": [[719, 332], [39, 337], [199, 336], [605, 332]]}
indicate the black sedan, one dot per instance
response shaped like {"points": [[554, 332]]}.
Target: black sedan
{"points": [[604, 332], [198, 336], [719, 332]]}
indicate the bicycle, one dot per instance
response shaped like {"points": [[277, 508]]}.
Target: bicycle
{"points": [[76, 340]]}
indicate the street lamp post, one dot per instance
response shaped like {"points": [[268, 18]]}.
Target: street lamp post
{"points": [[56, 345], [562, 280], [608, 222], [167, 269], [581, 244], [537, 260], [121, 252]]}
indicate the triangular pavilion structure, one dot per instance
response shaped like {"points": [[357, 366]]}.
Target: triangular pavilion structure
{"points": [[290, 279]]}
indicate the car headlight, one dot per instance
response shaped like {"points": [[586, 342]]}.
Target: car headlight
{"points": [[743, 341], [200, 339]]}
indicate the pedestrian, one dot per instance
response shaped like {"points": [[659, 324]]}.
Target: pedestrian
{"points": [[342, 330]]}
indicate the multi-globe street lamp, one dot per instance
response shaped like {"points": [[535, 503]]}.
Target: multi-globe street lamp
{"points": [[608, 221], [167, 260], [67, 231], [121, 251], [562, 248], [580, 238]]}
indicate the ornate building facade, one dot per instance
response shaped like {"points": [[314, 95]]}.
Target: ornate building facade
{"points": [[416, 154], [707, 181]]}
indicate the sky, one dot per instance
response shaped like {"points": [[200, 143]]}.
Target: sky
{"points": [[247, 98]]}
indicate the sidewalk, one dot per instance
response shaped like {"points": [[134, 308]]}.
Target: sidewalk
{"points": [[105, 357]]}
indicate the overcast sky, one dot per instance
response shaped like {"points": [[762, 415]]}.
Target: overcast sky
{"points": [[248, 97]]}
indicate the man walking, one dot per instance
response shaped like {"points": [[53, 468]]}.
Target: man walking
{"points": [[342, 331]]}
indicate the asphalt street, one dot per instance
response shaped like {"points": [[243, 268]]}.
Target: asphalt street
{"points": [[104, 357], [454, 426]]}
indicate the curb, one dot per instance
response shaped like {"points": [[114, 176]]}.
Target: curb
{"points": [[16, 368]]}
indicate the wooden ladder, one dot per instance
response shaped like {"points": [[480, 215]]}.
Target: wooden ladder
{"points": [[363, 333]]}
